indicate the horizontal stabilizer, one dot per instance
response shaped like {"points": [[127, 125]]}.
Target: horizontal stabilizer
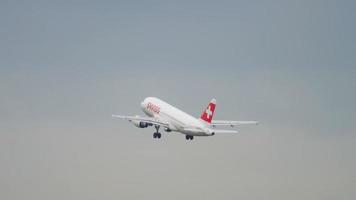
{"points": [[217, 131], [232, 123]]}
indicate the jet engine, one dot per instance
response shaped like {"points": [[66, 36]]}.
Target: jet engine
{"points": [[167, 130], [140, 124]]}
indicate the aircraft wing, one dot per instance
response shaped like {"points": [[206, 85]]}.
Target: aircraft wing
{"points": [[231, 123], [150, 120]]}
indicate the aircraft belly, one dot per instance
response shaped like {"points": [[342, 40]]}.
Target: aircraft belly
{"points": [[193, 133]]}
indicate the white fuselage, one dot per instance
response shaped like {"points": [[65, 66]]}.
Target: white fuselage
{"points": [[178, 120]]}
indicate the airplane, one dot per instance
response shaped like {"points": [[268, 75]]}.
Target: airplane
{"points": [[162, 114]]}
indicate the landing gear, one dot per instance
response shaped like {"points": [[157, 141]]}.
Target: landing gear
{"points": [[189, 137], [157, 134]]}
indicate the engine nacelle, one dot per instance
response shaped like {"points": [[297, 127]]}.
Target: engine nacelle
{"points": [[140, 124], [167, 130]]}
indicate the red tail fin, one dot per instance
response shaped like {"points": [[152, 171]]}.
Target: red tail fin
{"points": [[208, 113]]}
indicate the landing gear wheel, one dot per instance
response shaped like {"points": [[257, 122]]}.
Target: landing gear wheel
{"points": [[188, 137], [157, 135]]}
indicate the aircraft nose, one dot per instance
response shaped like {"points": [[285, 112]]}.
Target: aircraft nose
{"points": [[145, 102], [142, 104]]}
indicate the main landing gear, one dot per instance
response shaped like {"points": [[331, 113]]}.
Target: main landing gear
{"points": [[189, 137], [157, 134]]}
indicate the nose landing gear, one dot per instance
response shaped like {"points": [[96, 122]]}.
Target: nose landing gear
{"points": [[157, 134]]}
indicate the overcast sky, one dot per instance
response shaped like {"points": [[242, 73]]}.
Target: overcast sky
{"points": [[66, 66]]}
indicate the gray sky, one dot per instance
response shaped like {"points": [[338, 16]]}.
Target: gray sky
{"points": [[65, 67]]}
